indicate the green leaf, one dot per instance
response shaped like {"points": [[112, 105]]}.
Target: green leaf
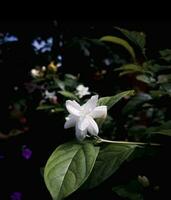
{"points": [[45, 107], [157, 93], [57, 109], [146, 79], [119, 41], [68, 167], [132, 191], [163, 132], [166, 54], [131, 67], [137, 132], [68, 94], [108, 161], [166, 87], [112, 100], [70, 82], [50, 107], [60, 84], [135, 102], [163, 129], [139, 38], [152, 67], [164, 78], [70, 76], [126, 72], [165, 125]]}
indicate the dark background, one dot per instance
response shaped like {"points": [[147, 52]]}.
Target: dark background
{"points": [[16, 173]]}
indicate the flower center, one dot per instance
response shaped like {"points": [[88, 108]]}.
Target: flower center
{"points": [[85, 112]]}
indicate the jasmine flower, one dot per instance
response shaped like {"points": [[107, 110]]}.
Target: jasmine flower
{"points": [[51, 96], [82, 117], [82, 91]]}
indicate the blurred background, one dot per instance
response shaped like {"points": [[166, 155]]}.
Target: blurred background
{"points": [[23, 156]]}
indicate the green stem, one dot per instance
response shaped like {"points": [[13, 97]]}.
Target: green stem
{"points": [[99, 140]]}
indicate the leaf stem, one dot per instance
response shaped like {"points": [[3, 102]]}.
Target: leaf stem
{"points": [[99, 140]]}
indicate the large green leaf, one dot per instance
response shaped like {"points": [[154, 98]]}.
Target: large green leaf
{"points": [[119, 41], [112, 100], [68, 167], [139, 38], [108, 161]]}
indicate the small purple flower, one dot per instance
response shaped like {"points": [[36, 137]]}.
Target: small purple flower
{"points": [[16, 196], [26, 152]]}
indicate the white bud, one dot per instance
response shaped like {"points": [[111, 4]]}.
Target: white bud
{"points": [[43, 68], [144, 181]]}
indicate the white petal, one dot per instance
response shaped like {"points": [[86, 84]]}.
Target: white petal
{"points": [[70, 121], [82, 91], [83, 123], [91, 103], [49, 94], [92, 128], [99, 112], [80, 87], [80, 135], [76, 105], [73, 107]]}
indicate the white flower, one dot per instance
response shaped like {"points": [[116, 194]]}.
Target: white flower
{"points": [[35, 73], [49, 95], [38, 72], [82, 91], [82, 117]]}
